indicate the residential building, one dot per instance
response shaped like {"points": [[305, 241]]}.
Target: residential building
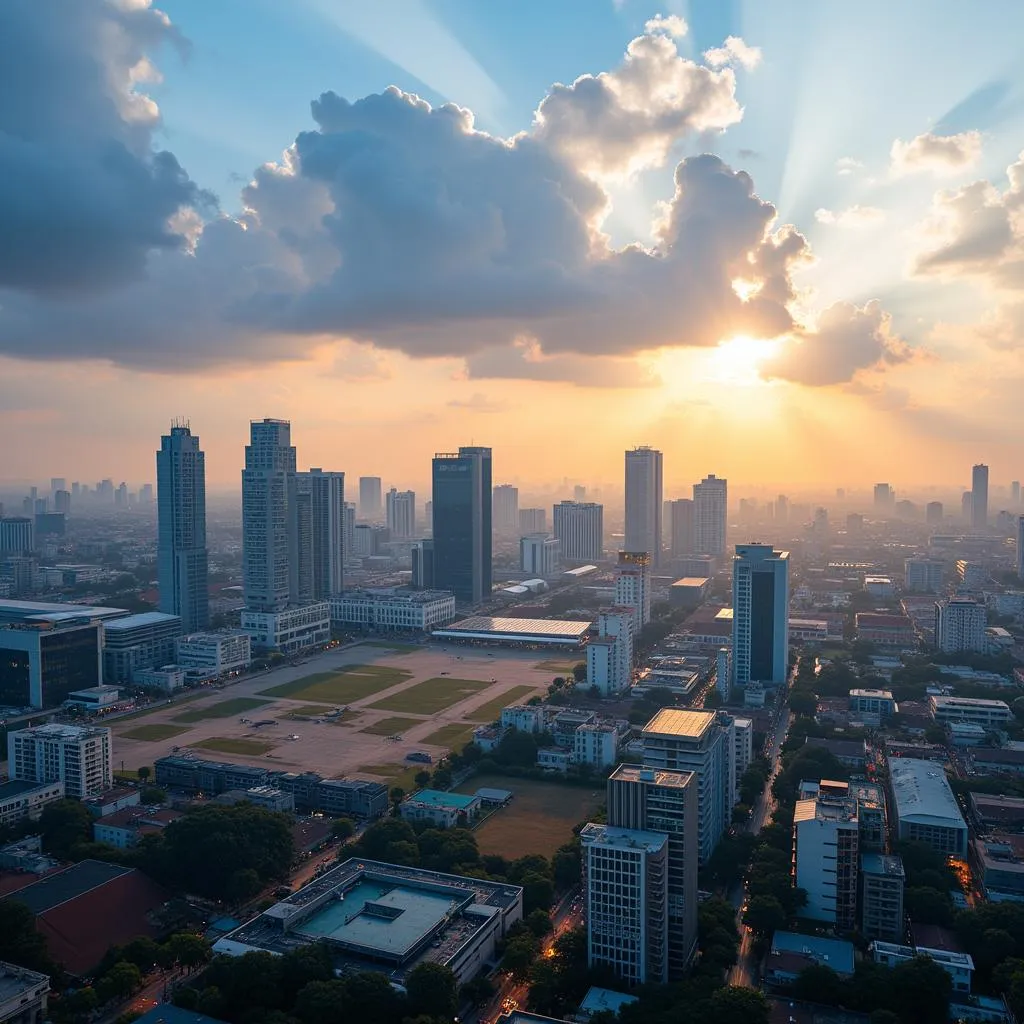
{"points": [[924, 808], [979, 498], [997, 760], [291, 629], [394, 609], [554, 759], [79, 756], [110, 800], [524, 718], [610, 654], [17, 535], [886, 630], [960, 625], [181, 556], [701, 742], [423, 565], [124, 828], [326, 532], [760, 623], [400, 514], [998, 863], [214, 654], [933, 512], [370, 506], [538, 555], [1020, 547], [710, 514], [505, 506], [440, 808], [633, 584], [997, 812], [851, 753], [665, 802], [138, 642], [876, 704], [579, 527], [924, 575], [990, 714], [23, 995], [723, 673], [22, 798], [43, 661], [681, 531], [959, 966], [743, 749], [971, 575], [625, 881], [596, 744], [885, 498], [462, 523], [644, 502], [826, 856], [532, 520], [881, 897]]}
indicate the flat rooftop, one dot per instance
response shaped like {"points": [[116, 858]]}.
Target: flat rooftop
{"points": [[488, 627], [921, 791], [622, 838], [691, 581], [17, 981], [680, 722], [869, 693], [439, 798], [141, 619], [834, 953], [881, 864], [47, 611], [970, 702], [16, 787], [652, 776]]}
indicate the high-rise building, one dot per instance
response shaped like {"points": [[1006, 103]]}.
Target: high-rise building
{"points": [[423, 565], [701, 742], [885, 498], [79, 756], [1020, 546], [62, 501], [881, 897], [633, 584], [579, 493], [681, 527], [270, 555], [650, 800], [370, 506], [348, 530], [923, 575], [644, 502], [76, 489], [710, 513], [181, 554], [610, 653], [979, 497], [579, 527], [401, 514], [462, 523], [121, 495], [326, 533], [960, 625], [625, 876], [1015, 493], [854, 524], [505, 502], [146, 495], [723, 673], [17, 535], [781, 509], [58, 483], [538, 555], [532, 520], [760, 624], [966, 506], [933, 513]]}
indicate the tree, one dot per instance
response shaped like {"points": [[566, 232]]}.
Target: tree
{"points": [[422, 778], [819, 984], [520, 953], [579, 671], [538, 892], [397, 795], [432, 990], [342, 829], [765, 914], [929, 906], [144, 773], [64, 824], [517, 748], [119, 982], [151, 795], [478, 990], [734, 1005], [188, 950], [538, 922], [920, 991], [20, 943]]}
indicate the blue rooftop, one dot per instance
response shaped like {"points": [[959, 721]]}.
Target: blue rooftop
{"points": [[439, 798], [834, 953], [598, 1000], [168, 1013]]}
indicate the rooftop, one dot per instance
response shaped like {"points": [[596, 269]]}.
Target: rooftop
{"points": [[652, 776], [598, 1000], [679, 722], [168, 1013], [46, 611], [562, 629], [834, 953], [16, 787], [867, 692], [877, 620], [59, 731], [996, 755], [622, 838], [395, 594], [439, 798], [970, 702], [18, 982], [881, 864], [689, 581], [838, 809], [921, 791], [139, 620]]}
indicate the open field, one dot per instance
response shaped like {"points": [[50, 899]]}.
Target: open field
{"points": [[454, 736], [390, 726], [310, 711], [539, 819], [356, 682], [432, 695], [222, 709], [227, 745], [491, 711], [154, 731], [391, 775], [157, 707], [396, 648], [558, 668]]}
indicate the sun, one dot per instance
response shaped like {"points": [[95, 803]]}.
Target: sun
{"points": [[737, 360]]}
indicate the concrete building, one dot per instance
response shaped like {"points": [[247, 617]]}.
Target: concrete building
{"points": [[326, 532], [370, 506], [524, 718], [876, 704], [644, 487], [924, 808], [1020, 547], [532, 520], [881, 897], [137, 642], [710, 513], [826, 852], [423, 565], [539, 554], [505, 506], [760, 623], [665, 802], [701, 742], [792, 953], [42, 662], [78, 756], [124, 828], [625, 881], [979, 498], [723, 673], [181, 556], [743, 749], [960, 625], [633, 584], [291, 629], [959, 966], [682, 537], [998, 863], [924, 575], [441, 809], [23, 995], [990, 714], [596, 744], [94, 699], [462, 523], [270, 798], [166, 678], [579, 527], [997, 812], [17, 535], [933, 512], [610, 654], [20, 799], [394, 609], [214, 654], [400, 514], [886, 630]]}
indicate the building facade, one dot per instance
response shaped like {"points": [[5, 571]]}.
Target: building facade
{"points": [[681, 516], [134, 642], [394, 609], [633, 584], [760, 623], [400, 514], [371, 507], [462, 523], [881, 897], [216, 653], [644, 501], [42, 663], [505, 508], [924, 808], [579, 527], [325, 534], [289, 630], [826, 856], [960, 625], [710, 514], [979, 498], [78, 756], [924, 575], [21, 799]]}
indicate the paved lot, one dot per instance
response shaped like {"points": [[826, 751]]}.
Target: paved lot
{"points": [[337, 748]]}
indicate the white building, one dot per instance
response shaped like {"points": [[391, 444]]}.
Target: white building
{"points": [[924, 808], [644, 502], [524, 718], [723, 672], [595, 744], [743, 749], [138, 642], [400, 514], [79, 756], [94, 698], [538, 555], [20, 799], [960, 625], [959, 966], [216, 653], [826, 855], [633, 584], [880, 587], [923, 575], [394, 609], [990, 714], [167, 678], [610, 654], [505, 508], [23, 995], [440, 808], [370, 507], [760, 617], [681, 527], [294, 629], [710, 512], [579, 527]]}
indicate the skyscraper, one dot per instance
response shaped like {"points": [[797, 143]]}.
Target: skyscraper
{"points": [[462, 523], [979, 497], [505, 503], [710, 513], [933, 513], [181, 556], [579, 527], [1020, 547], [681, 531], [326, 531], [760, 610], [1015, 493], [370, 506], [644, 502], [401, 514], [532, 520]]}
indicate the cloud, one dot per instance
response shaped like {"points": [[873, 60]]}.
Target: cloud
{"points": [[359, 362], [734, 51], [671, 25], [526, 361], [852, 217], [477, 402], [847, 165], [937, 154]]}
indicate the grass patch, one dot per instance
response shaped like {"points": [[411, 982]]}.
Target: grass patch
{"points": [[491, 711], [560, 668], [310, 711], [432, 695], [222, 709], [395, 774], [342, 687], [397, 648], [390, 726], [153, 731], [539, 819], [158, 706], [454, 736], [226, 745]]}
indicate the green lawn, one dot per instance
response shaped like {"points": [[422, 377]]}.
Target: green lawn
{"points": [[222, 709], [390, 726], [432, 695], [454, 736], [160, 705], [395, 774], [491, 711], [153, 731], [559, 668], [342, 687], [226, 745]]}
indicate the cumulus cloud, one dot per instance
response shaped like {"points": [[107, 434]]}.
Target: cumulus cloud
{"points": [[734, 51], [937, 154], [852, 217], [669, 24]]}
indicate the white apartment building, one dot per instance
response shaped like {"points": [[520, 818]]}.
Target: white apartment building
{"points": [[723, 672], [167, 678], [393, 609], [960, 625], [924, 575], [633, 584], [595, 744], [505, 508], [760, 615], [538, 555], [524, 718], [826, 854], [644, 502], [743, 749], [579, 527], [400, 514], [79, 756], [989, 714], [625, 874], [959, 966], [138, 642], [610, 654], [710, 510], [294, 629], [214, 653]]}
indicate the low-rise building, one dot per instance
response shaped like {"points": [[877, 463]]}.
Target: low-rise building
{"points": [[872, 705], [214, 653], [886, 630], [488, 737], [94, 699], [554, 759], [166, 678], [524, 717], [445, 810], [965, 734], [959, 966], [596, 744], [23, 995], [123, 829], [851, 753], [394, 609], [990, 714], [879, 586], [996, 760], [294, 629], [20, 799], [997, 811], [924, 808], [110, 800], [881, 897], [270, 798], [565, 723], [792, 953], [998, 862]]}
